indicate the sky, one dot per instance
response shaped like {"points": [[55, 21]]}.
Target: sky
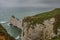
{"points": [[30, 3]]}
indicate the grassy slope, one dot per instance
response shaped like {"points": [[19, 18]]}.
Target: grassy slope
{"points": [[57, 39], [42, 16], [55, 13], [39, 18], [2, 30]]}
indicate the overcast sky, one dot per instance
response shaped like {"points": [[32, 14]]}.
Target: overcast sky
{"points": [[29, 3]]}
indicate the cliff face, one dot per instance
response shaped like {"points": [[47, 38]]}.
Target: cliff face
{"points": [[42, 26], [4, 35], [42, 31], [15, 22]]}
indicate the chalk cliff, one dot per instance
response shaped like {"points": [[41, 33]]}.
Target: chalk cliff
{"points": [[42, 26]]}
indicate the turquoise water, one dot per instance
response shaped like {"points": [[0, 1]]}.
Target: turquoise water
{"points": [[13, 31], [6, 13]]}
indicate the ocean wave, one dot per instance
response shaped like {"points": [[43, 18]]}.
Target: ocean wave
{"points": [[2, 22], [8, 24], [17, 37]]}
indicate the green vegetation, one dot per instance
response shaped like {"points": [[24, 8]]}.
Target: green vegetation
{"points": [[3, 31], [39, 18], [56, 38]]}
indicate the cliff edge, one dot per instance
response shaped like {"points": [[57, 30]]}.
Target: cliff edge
{"points": [[43, 26]]}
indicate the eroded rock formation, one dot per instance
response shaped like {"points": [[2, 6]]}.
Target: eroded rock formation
{"points": [[39, 31], [39, 27]]}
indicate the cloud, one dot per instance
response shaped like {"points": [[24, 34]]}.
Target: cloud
{"points": [[29, 3]]}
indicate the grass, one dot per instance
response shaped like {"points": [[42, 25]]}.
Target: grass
{"points": [[39, 18], [57, 38]]}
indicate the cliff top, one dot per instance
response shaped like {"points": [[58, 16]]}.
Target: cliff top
{"points": [[39, 18]]}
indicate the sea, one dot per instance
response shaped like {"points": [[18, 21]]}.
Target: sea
{"points": [[19, 12]]}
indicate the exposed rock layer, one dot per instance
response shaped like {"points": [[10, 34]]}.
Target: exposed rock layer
{"points": [[39, 27], [39, 31]]}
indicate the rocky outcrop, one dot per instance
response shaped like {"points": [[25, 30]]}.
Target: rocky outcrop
{"points": [[15, 22], [39, 27], [39, 31], [42, 26]]}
